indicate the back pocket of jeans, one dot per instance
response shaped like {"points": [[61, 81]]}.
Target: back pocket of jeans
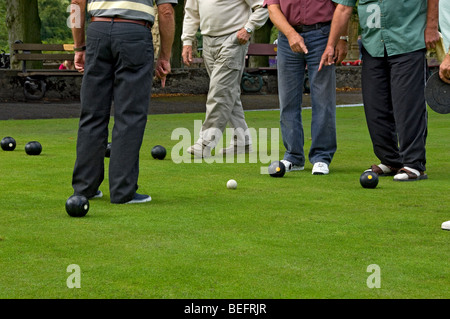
{"points": [[92, 45], [135, 54]]}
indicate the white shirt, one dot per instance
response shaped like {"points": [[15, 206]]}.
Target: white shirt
{"points": [[221, 17]]}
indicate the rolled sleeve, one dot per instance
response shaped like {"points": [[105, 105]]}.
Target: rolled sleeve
{"points": [[348, 3], [159, 2], [269, 2]]}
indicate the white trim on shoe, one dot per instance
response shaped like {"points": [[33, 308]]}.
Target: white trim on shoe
{"points": [[139, 198], [235, 149], [199, 151], [98, 194], [446, 225], [408, 174], [320, 168], [291, 167]]}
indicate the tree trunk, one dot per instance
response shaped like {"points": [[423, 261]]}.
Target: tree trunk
{"points": [[177, 45], [261, 35], [23, 24]]}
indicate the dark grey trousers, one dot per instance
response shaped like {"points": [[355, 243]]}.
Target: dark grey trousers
{"points": [[119, 69], [394, 103]]}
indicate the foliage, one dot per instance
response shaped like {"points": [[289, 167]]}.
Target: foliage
{"points": [[3, 31], [53, 14], [273, 34]]}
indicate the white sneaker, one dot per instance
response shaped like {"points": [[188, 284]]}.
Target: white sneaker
{"points": [[199, 150], [291, 167], [320, 168], [446, 225]]}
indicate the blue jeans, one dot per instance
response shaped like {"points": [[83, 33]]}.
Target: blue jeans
{"points": [[291, 71]]}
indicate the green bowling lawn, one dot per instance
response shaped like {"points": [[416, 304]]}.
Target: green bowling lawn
{"points": [[300, 236]]}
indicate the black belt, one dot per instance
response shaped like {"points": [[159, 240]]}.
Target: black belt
{"points": [[146, 24], [305, 28]]}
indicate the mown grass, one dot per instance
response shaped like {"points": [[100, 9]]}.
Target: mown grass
{"points": [[300, 236]]}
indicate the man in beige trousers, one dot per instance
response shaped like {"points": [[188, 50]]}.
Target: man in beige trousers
{"points": [[226, 27]]}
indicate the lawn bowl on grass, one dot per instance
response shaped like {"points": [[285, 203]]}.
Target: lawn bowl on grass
{"points": [[277, 169], [8, 143], [159, 152], [33, 148], [77, 206], [368, 179]]}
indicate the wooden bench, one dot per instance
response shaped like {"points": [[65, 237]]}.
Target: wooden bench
{"points": [[260, 49], [34, 80], [252, 78]]}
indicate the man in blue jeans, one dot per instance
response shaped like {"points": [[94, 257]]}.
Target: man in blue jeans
{"points": [[116, 57], [303, 33]]}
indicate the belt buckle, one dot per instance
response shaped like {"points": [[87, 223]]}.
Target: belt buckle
{"points": [[299, 28]]}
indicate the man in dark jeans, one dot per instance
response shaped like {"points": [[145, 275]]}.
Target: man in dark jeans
{"points": [[395, 36], [116, 57]]}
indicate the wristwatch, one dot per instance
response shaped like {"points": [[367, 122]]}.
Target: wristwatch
{"points": [[344, 37], [83, 48], [248, 30]]}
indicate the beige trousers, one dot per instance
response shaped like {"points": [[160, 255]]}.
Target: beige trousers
{"points": [[224, 60]]}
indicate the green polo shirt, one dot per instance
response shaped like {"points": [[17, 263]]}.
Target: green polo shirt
{"points": [[397, 25]]}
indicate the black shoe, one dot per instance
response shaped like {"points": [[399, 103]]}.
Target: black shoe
{"points": [[98, 194], [139, 198]]}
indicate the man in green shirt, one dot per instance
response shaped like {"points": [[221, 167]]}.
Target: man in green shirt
{"points": [[395, 36]]}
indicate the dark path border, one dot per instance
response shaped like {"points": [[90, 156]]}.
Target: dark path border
{"points": [[159, 105]]}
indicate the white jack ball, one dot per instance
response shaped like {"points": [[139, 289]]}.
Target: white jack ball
{"points": [[231, 184]]}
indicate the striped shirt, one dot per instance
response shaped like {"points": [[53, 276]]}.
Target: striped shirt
{"points": [[130, 9]]}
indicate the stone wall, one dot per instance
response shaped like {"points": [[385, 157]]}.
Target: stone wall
{"points": [[180, 81]]}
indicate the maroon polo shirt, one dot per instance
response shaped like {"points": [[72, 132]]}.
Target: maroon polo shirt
{"points": [[305, 12]]}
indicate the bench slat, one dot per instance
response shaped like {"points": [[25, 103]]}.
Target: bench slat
{"points": [[50, 73], [41, 47], [262, 49], [44, 56]]}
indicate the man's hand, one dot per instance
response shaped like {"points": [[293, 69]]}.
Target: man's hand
{"points": [[243, 36], [340, 51], [444, 69], [327, 57], [297, 43], [431, 37], [79, 60], [187, 54], [162, 69]]}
